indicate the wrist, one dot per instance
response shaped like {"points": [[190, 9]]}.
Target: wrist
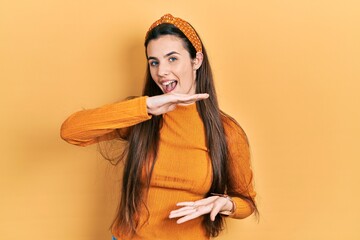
{"points": [[232, 207], [230, 204], [149, 105]]}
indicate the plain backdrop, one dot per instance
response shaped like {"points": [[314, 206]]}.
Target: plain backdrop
{"points": [[288, 71]]}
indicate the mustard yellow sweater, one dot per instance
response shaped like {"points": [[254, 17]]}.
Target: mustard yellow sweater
{"points": [[183, 170]]}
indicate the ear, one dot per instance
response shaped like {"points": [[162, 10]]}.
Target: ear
{"points": [[197, 61]]}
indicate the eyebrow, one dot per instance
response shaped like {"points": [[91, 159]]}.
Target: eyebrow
{"points": [[166, 55]]}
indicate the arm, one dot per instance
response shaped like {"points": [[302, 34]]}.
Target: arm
{"points": [[240, 187], [240, 172], [91, 126]]}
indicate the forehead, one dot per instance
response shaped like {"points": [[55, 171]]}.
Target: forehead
{"points": [[165, 44]]}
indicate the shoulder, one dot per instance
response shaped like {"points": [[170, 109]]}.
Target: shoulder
{"points": [[233, 130]]}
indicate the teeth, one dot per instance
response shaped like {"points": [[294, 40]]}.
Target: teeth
{"points": [[168, 83], [168, 86]]}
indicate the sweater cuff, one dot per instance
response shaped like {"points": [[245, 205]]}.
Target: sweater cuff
{"points": [[243, 208], [143, 106]]}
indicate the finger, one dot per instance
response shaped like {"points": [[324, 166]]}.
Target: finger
{"points": [[181, 209], [188, 99], [188, 217], [199, 212], [185, 104], [171, 108], [185, 204], [163, 109], [182, 213], [216, 209], [206, 201], [201, 96]]}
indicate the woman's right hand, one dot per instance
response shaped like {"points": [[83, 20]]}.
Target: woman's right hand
{"points": [[164, 103]]}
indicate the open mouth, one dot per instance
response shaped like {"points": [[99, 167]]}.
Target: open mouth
{"points": [[168, 86]]}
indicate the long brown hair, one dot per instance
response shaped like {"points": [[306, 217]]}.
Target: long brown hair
{"points": [[143, 142]]}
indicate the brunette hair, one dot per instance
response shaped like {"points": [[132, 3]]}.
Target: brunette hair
{"points": [[143, 142]]}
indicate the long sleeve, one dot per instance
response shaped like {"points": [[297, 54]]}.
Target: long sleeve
{"points": [[240, 172], [94, 125]]}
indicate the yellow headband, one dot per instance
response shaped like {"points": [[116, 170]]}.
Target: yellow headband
{"points": [[184, 27]]}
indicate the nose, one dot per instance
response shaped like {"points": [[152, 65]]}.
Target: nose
{"points": [[163, 69]]}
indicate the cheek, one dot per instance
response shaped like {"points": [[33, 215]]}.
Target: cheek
{"points": [[153, 74], [189, 75], [185, 71]]}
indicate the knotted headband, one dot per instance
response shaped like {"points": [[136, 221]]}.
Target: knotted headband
{"points": [[184, 27]]}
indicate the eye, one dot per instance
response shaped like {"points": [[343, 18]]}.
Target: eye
{"points": [[153, 63], [172, 59]]}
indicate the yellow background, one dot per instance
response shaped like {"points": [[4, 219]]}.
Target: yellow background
{"points": [[288, 71]]}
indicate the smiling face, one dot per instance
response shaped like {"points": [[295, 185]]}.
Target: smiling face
{"points": [[171, 66]]}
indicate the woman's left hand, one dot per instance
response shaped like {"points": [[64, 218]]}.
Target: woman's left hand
{"points": [[191, 210]]}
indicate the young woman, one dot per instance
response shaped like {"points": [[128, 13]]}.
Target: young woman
{"points": [[187, 163]]}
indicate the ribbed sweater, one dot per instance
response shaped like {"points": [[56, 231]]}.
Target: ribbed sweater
{"points": [[182, 171]]}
